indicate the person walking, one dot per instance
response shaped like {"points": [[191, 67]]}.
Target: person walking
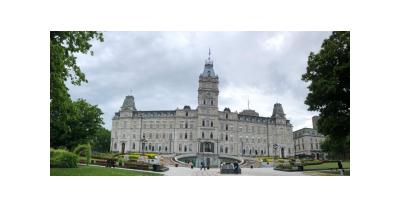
{"points": [[202, 166], [340, 166]]}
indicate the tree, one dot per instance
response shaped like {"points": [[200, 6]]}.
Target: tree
{"points": [[329, 74], [102, 141], [63, 67]]}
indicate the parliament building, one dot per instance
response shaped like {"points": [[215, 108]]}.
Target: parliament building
{"points": [[204, 129]]}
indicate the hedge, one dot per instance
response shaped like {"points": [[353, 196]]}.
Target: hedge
{"points": [[63, 159]]}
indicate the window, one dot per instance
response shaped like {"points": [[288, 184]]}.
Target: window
{"points": [[202, 135], [221, 149], [187, 114], [256, 152], [204, 123], [212, 102], [226, 149], [262, 152], [180, 147], [212, 124], [185, 135], [226, 127], [185, 149], [204, 102], [190, 147], [211, 135], [133, 146], [226, 116], [226, 137], [166, 148], [186, 125]]}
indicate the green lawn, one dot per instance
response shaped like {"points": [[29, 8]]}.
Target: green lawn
{"points": [[327, 165], [326, 173], [97, 171]]}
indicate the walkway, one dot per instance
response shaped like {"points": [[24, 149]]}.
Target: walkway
{"points": [[183, 171]]}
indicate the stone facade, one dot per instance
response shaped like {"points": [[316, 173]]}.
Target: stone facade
{"points": [[307, 143], [204, 129]]}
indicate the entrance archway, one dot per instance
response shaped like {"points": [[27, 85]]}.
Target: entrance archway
{"points": [[123, 148]]}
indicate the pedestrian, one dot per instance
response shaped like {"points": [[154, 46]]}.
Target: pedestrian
{"points": [[202, 166], [191, 164], [340, 166]]}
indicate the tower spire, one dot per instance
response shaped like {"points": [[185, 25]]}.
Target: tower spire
{"points": [[209, 53]]}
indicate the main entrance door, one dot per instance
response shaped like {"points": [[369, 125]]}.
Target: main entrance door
{"points": [[123, 148]]}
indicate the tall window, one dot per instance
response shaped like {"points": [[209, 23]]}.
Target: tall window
{"points": [[211, 135], [226, 127], [185, 149], [133, 146], [226, 149], [221, 149], [226, 116], [180, 147], [185, 135], [226, 137], [204, 123], [204, 102], [212, 124], [187, 114], [202, 135], [212, 102], [186, 125]]}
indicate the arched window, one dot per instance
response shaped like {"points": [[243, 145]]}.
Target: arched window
{"points": [[226, 127], [187, 114], [211, 135], [226, 137], [185, 149], [202, 135], [212, 124], [226, 149]]}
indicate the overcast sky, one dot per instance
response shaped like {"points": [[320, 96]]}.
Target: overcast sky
{"points": [[162, 70]]}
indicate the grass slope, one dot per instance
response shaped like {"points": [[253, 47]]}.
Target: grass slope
{"points": [[327, 165], [97, 171]]}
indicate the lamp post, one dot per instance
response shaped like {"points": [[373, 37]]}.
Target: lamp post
{"points": [[143, 144]]}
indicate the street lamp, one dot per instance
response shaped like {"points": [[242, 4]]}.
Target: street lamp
{"points": [[143, 144]]}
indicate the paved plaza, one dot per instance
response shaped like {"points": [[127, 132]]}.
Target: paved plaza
{"points": [[184, 171]]}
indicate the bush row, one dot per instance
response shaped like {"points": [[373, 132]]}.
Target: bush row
{"points": [[60, 158]]}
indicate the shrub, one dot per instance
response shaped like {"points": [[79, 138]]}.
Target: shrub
{"points": [[63, 159], [86, 149]]}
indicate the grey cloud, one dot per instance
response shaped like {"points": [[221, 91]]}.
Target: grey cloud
{"points": [[162, 69]]}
